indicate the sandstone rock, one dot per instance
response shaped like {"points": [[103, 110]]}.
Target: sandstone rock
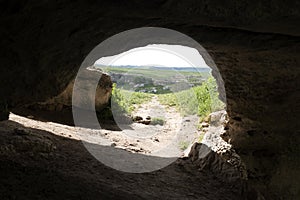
{"points": [[113, 144], [218, 118], [116, 139], [204, 124], [146, 122], [258, 62], [137, 118], [214, 142]]}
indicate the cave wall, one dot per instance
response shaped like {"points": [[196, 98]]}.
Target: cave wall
{"points": [[254, 45]]}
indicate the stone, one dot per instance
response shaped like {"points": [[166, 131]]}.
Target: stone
{"points": [[218, 118], [258, 63], [137, 118], [146, 122], [204, 124], [113, 144]]}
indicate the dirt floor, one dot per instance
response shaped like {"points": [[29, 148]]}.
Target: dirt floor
{"points": [[46, 160], [166, 140]]}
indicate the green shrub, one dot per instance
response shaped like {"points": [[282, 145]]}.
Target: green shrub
{"points": [[183, 145], [200, 138], [118, 102], [200, 100], [156, 120], [124, 101], [168, 99]]}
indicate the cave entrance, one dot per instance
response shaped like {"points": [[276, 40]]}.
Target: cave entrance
{"points": [[161, 100], [170, 100]]}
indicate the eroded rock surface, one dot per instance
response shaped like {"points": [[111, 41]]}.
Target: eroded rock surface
{"points": [[255, 46]]}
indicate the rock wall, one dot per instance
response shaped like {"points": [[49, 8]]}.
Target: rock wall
{"points": [[59, 108], [255, 46]]}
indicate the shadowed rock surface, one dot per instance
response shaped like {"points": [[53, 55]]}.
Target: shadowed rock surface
{"points": [[254, 45], [37, 164]]}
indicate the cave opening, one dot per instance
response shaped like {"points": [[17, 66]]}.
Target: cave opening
{"points": [[256, 49], [164, 99], [158, 100]]}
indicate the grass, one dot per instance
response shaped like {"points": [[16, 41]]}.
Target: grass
{"points": [[168, 99], [200, 138], [124, 101], [156, 120], [183, 145], [200, 100]]}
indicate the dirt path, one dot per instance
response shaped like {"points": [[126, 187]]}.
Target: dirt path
{"points": [[167, 140], [158, 140]]}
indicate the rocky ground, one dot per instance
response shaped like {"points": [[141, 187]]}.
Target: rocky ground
{"points": [[165, 139]]}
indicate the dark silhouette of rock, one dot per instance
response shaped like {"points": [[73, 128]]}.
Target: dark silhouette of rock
{"points": [[255, 47]]}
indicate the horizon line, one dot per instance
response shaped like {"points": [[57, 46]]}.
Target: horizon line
{"points": [[97, 64]]}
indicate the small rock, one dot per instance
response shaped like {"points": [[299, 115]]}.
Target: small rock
{"points": [[148, 117], [204, 129], [218, 118], [204, 124], [147, 122], [126, 143], [137, 118], [207, 119], [113, 144]]}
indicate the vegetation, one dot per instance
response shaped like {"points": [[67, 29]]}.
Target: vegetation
{"points": [[124, 101], [200, 138], [156, 120], [183, 145], [200, 100], [153, 72], [156, 80]]}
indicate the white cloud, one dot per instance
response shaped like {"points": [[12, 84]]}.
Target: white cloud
{"points": [[158, 55]]}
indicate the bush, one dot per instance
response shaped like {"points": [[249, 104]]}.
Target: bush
{"points": [[200, 100], [124, 101], [118, 102], [159, 121], [183, 145]]}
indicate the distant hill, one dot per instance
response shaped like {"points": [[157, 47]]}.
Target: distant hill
{"points": [[186, 69]]}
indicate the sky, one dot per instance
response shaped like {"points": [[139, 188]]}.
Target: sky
{"points": [[157, 55]]}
